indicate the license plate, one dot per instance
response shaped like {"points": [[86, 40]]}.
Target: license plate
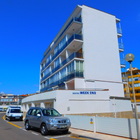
{"points": [[63, 126], [17, 117]]}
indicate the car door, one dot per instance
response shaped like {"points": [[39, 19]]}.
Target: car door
{"points": [[37, 119], [32, 118]]}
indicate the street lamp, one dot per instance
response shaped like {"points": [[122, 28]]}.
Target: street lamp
{"points": [[129, 58]]}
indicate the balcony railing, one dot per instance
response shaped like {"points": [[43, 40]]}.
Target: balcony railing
{"points": [[75, 36], [72, 56], [79, 20], [121, 46], [72, 75], [73, 20], [119, 30], [123, 62]]}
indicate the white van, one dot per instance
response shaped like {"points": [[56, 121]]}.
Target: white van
{"points": [[14, 113]]}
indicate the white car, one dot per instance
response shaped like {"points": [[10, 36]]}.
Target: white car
{"points": [[14, 113]]}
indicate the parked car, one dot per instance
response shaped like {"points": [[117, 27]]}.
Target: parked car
{"points": [[46, 119], [14, 113]]}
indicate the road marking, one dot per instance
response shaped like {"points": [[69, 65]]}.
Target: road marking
{"points": [[49, 138], [34, 133], [23, 129], [3, 117], [14, 125], [11, 123]]}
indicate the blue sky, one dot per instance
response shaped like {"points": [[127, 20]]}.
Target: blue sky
{"points": [[27, 27]]}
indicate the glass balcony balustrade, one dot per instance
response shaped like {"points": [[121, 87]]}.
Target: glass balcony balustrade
{"points": [[75, 36], [78, 20], [74, 74], [122, 61], [73, 20], [121, 46], [72, 56], [119, 30]]}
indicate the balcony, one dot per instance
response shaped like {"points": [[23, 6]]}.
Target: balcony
{"points": [[71, 39], [74, 23], [74, 74], [119, 32], [123, 63], [74, 20], [72, 56], [121, 47]]}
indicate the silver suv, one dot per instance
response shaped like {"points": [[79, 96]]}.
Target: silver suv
{"points": [[46, 119]]}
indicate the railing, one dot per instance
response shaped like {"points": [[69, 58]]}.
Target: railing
{"points": [[121, 46], [75, 36], [73, 20], [62, 80], [119, 30], [122, 61], [72, 56], [79, 20]]}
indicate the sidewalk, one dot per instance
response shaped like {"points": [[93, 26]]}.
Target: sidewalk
{"points": [[94, 136]]}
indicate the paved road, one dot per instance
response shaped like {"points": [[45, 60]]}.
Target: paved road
{"points": [[14, 130]]}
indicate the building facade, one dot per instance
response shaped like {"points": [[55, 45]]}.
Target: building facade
{"points": [[128, 84], [10, 99], [85, 54], [80, 71]]}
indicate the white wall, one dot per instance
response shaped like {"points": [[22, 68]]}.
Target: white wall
{"points": [[101, 51], [75, 102]]}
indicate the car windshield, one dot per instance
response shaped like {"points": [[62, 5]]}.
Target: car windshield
{"points": [[50, 112], [15, 111]]}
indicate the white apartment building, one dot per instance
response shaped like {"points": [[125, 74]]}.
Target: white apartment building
{"points": [[82, 65]]}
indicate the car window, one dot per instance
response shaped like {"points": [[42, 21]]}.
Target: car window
{"points": [[50, 112], [30, 111], [15, 111], [38, 112], [33, 112]]}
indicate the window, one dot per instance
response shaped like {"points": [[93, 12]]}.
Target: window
{"points": [[33, 112], [15, 111], [50, 112], [38, 112]]}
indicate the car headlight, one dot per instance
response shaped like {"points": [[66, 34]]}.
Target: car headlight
{"points": [[68, 121], [51, 120]]}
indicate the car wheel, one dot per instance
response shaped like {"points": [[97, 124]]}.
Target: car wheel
{"points": [[43, 129], [27, 126]]}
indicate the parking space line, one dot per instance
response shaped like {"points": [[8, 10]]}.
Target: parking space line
{"points": [[3, 117], [14, 125], [23, 129], [49, 138], [34, 133], [11, 123]]}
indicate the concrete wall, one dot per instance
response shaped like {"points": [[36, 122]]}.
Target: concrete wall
{"points": [[76, 102], [106, 125], [101, 51]]}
